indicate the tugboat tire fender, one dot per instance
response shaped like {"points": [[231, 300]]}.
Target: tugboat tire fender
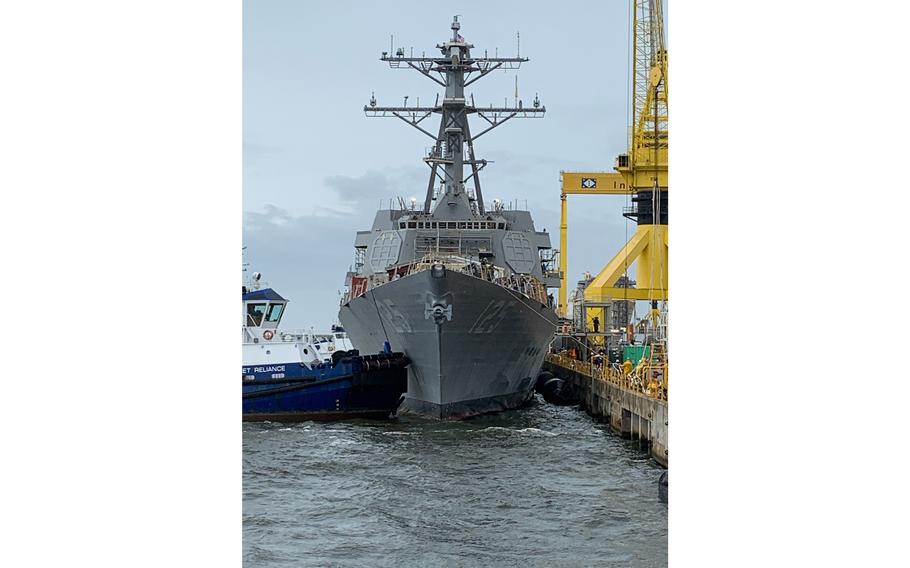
{"points": [[338, 356]]}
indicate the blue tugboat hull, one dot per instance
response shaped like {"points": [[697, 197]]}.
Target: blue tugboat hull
{"points": [[358, 387]]}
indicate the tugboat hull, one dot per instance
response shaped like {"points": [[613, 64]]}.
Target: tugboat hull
{"points": [[361, 387]]}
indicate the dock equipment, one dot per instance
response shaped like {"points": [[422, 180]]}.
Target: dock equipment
{"points": [[630, 393], [641, 172]]}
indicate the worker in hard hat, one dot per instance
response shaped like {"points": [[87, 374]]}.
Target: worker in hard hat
{"points": [[627, 366]]}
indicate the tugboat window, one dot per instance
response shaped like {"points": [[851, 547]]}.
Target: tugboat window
{"points": [[274, 312], [254, 313]]}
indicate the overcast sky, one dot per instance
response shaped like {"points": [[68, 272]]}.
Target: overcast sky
{"points": [[315, 169]]}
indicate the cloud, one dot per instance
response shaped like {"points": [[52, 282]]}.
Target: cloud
{"points": [[375, 186], [513, 162], [304, 258], [370, 184]]}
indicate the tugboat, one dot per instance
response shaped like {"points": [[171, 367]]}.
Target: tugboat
{"points": [[286, 378]]}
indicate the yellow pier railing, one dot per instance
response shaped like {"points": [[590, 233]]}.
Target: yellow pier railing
{"points": [[647, 378]]}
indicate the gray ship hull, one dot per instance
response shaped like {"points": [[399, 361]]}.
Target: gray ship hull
{"points": [[474, 346]]}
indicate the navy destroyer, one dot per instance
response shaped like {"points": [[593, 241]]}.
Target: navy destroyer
{"points": [[460, 288]]}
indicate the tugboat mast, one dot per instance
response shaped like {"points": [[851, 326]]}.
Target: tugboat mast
{"points": [[453, 144]]}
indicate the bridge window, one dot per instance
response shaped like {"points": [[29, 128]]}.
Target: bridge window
{"points": [[254, 313], [274, 312]]}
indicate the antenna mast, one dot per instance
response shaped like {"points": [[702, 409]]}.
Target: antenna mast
{"points": [[453, 145]]}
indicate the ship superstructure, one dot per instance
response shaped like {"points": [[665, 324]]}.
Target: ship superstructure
{"points": [[459, 287]]}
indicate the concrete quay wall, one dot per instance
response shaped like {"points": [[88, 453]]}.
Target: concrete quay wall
{"points": [[633, 415]]}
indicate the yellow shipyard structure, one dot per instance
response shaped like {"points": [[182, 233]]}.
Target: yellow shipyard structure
{"points": [[629, 391]]}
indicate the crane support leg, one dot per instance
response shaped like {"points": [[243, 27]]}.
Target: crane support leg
{"points": [[563, 257], [649, 247]]}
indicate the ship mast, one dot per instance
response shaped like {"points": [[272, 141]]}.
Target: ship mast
{"points": [[453, 146]]}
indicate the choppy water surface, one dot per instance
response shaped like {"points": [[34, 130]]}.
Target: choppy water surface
{"points": [[541, 486]]}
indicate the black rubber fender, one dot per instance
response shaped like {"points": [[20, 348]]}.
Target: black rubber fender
{"points": [[541, 379], [551, 390], [338, 356], [557, 391]]}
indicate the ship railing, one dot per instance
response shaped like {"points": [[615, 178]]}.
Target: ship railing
{"points": [[450, 261], [648, 378], [295, 335], [525, 284], [290, 336]]}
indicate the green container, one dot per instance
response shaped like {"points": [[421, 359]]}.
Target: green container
{"points": [[635, 353]]}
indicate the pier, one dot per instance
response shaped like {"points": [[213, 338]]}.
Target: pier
{"points": [[634, 404], [612, 363]]}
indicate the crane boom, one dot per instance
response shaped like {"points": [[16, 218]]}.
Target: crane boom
{"points": [[645, 165]]}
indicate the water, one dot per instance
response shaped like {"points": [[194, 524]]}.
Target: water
{"points": [[540, 486]]}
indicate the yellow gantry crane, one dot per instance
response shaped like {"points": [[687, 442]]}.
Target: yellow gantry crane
{"points": [[642, 172]]}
